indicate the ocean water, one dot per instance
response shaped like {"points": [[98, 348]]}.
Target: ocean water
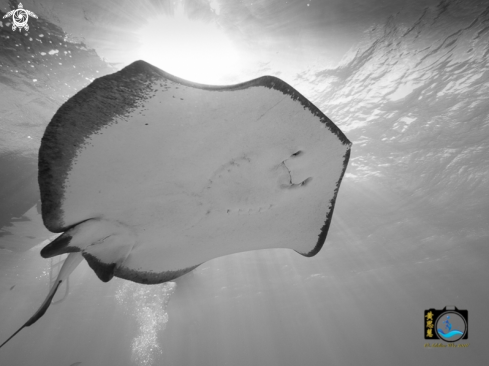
{"points": [[409, 231]]}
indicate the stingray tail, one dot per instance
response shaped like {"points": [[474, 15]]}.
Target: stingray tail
{"points": [[69, 266]]}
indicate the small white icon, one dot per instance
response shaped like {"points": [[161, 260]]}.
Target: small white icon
{"points": [[20, 17]]}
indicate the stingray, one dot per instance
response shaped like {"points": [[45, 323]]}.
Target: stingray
{"points": [[147, 175]]}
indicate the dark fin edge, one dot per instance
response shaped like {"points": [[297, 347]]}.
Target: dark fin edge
{"points": [[329, 216], [151, 278], [104, 271], [58, 246]]}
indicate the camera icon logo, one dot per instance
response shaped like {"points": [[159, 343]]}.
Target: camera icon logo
{"points": [[447, 325]]}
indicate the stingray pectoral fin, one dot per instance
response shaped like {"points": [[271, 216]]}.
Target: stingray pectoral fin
{"points": [[104, 244], [108, 253], [58, 246], [76, 238], [104, 271], [69, 265]]}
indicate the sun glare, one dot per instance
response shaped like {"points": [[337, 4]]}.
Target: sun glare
{"points": [[192, 50]]}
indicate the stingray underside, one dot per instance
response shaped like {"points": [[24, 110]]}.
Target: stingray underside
{"points": [[149, 175]]}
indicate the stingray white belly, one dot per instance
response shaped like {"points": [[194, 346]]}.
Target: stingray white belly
{"points": [[167, 174]]}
